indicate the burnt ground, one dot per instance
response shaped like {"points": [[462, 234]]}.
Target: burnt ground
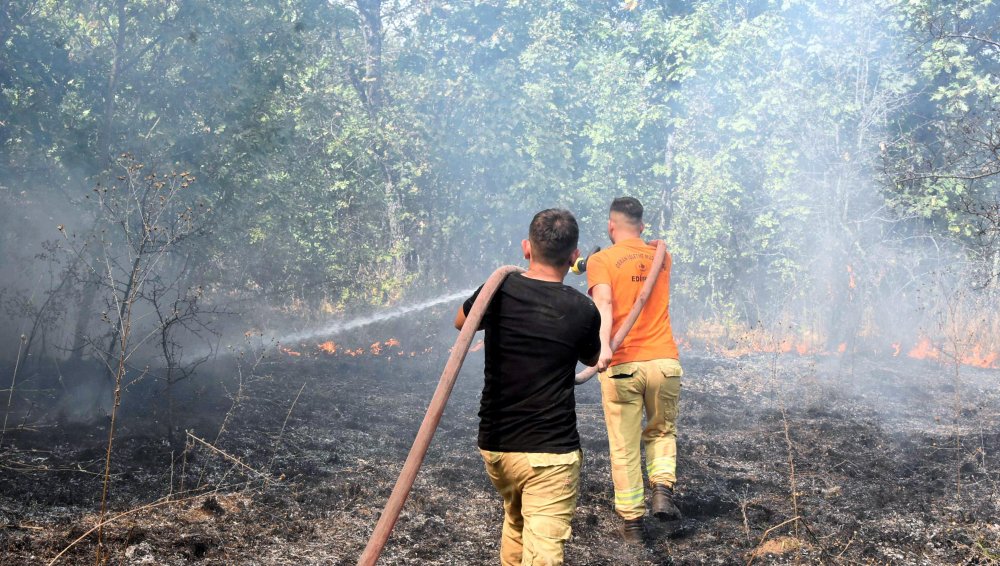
{"points": [[895, 462]]}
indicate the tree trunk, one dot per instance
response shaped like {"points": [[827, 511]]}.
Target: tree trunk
{"points": [[83, 318], [107, 121], [372, 95], [667, 194], [371, 29], [123, 309]]}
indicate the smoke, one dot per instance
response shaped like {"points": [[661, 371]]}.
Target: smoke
{"points": [[754, 133], [338, 327]]}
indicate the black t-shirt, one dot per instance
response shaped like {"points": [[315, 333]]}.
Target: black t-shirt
{"points": [[535, 333]]}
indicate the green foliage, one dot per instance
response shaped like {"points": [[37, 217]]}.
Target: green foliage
{"points": [[346, 166]]}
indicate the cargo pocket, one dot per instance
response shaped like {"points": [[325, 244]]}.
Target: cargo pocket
{"points": [[623, 371], [552, 530], [547, 538], [556, 476], [543, 459], [670, 367]]}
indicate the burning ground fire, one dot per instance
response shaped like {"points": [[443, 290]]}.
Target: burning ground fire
{"points": [[732, 342], [386, 349], [745, 343], [714, 339], [976, 356]]}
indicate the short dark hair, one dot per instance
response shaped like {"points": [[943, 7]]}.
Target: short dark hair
{"points": [[554, 234], [630, 207]]}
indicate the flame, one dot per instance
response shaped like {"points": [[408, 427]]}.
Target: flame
{"points": [[850, 275], [379, 348], [713, 338], [924, 350], [978, 358], [731, 342]]}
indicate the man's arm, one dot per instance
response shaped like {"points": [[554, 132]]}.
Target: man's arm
{"points": [[460, 318], [465, 308], [601, 293]]}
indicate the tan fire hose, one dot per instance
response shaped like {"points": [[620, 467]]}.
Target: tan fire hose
{"points": [[433, 416], [658, 258]]}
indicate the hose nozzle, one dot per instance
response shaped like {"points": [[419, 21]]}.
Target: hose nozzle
{"points": [[580, 265]]}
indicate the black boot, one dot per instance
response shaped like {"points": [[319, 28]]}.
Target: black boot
{"points": [[633, 531], [663, 503]]}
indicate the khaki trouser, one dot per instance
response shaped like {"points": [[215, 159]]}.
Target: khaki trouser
{"points": [[539, 497], [627, 389]]}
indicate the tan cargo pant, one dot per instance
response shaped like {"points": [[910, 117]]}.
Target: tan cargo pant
{"points": [[626, 390], [539, 497]]}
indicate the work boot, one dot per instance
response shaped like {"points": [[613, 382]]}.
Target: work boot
{"points": [[663, 503], [633, 531]]}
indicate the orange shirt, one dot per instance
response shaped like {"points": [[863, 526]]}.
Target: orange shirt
{"points": [[624, 266]]}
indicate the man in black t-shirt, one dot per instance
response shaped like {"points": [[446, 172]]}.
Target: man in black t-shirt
{"points": [[537, 329]]}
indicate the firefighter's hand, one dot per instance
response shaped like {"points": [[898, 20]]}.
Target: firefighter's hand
{"points": [[604, 360]]}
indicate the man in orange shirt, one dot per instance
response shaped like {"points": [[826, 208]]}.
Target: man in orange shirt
{"points": [[643, 374]]}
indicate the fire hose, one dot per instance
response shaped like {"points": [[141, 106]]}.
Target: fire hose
{"points": [[433, 416], [447, 382]]}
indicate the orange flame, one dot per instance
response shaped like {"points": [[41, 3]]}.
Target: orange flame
{"points": [[979, 359], [715, 339], [331, 348], [924, 350]]}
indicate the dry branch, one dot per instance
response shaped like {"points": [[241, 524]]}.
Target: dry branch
{"points": [[227, 456], [769, 531]]}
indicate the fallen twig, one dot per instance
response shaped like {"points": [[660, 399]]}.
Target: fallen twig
{"points": [[768, 532], [226, 455], [100, 525]]}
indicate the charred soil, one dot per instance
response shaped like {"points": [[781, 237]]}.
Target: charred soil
{"points": [[894, 463]]}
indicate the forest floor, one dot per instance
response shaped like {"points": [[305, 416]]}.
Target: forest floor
{"points": [[895, 462]]}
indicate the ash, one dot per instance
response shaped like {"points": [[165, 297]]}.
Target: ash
{"points": [[890, 462]]}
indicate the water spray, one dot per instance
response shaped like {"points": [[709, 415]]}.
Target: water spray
{"points": [[340, 326], [345, 325]]}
